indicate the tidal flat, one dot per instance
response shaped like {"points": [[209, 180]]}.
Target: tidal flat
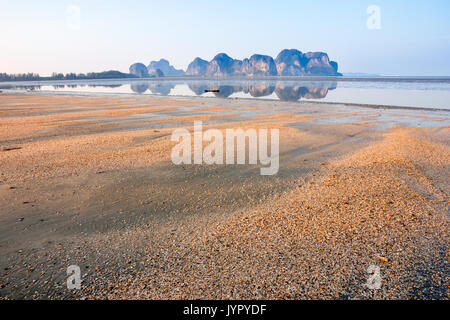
{"points": [[88, 180]]}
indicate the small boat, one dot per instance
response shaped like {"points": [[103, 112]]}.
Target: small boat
{"points": [[216, 90]]}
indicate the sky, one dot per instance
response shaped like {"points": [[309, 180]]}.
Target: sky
{"points": [[409, 38]]}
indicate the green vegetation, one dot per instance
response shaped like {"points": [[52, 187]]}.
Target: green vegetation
{"points": [[112, 74]]}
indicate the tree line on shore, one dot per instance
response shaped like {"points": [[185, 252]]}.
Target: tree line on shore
{"points": [[68, 76]]}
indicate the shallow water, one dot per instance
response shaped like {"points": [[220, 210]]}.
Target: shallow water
{"points": [[421, 94]]}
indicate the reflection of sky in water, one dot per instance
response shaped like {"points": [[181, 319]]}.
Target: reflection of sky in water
{"points": [[411, 94]]}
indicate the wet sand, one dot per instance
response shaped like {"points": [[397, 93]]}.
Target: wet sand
{"points": [[88, 181]]}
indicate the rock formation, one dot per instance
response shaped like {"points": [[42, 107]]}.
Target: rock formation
{"points": [[197, 67], [165, 67], [259, 65], [139, 70], [289, 62], [222, 65], [319, 64], [156, 73]]}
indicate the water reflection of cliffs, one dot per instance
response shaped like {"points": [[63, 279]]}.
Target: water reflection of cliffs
{"points": [[259, 90], [139, 87], [162, 88], [284, 90], [288, 91]]}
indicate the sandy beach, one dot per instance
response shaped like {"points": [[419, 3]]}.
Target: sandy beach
{"points": [[88, 180]]}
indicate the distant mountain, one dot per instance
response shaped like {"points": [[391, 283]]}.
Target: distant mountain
{"points": [[290, 62], [360, 75], [111, 74], [156, 73], [222, 65], [295, 63], [164, 66], [157, 69], [139, 70], [319, 64], [259, 65], [197, 67]]}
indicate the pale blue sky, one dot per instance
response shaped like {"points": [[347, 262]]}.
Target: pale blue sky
{"points": [[414, 38]]}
